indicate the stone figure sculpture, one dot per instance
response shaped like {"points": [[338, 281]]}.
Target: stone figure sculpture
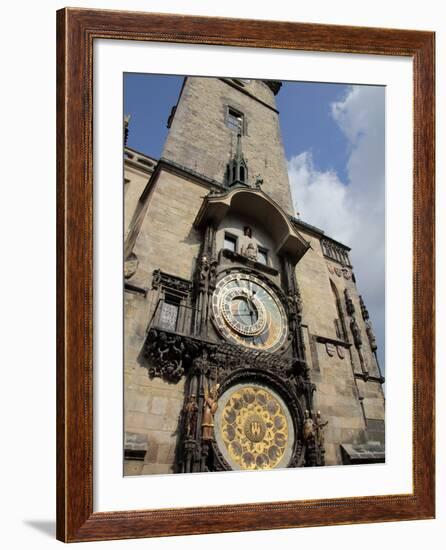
{"points": [[308, 428], [354, 327], [209, 409], [191, 411], [371, 335], [249, 249], [203, 272], [320, 425], [349, 302]]}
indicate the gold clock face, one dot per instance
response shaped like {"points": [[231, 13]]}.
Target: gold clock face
{"points": [[254, 430], [248, 312]]}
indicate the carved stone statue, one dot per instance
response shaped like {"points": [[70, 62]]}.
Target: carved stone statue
{"points": [[308, 428], [209, 409], [364, 310], [201, 363], [212, 274], [354, 327], [320, 429], [371, 335], [349, 302], [292, 305], [249, 249], [203, 272], [174, 365], [191, 411], [166, 354]]}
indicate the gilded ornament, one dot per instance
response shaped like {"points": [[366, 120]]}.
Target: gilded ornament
{"points": [[254, 428]]}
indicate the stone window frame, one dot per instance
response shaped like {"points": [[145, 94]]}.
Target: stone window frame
{"points": [[261, 250], [232, 126], [172, 290], [230, 237]]}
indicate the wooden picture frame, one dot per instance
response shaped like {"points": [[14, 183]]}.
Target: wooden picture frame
{"points": [[76, 31]]}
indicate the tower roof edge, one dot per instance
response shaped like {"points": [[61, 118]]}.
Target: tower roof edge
{"points": [[273, 85]]}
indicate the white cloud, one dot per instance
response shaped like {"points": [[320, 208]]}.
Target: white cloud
{"points": [[352, 211]]}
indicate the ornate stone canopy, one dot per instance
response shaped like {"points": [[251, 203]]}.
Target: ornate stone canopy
{"points": [[257, 205]]}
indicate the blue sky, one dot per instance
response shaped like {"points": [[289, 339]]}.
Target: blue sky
{"points": [[149, 99], [334, 140], [306, 123]]}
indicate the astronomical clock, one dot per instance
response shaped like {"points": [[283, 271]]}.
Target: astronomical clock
{"points": [[254, 427], [248, 312], [248, 391]]}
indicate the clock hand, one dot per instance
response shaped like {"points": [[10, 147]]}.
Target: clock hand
{"points": [[251, 308]]}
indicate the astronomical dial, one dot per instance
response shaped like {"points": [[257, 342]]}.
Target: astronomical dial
{"points": [[253, 428], [248, 312]]}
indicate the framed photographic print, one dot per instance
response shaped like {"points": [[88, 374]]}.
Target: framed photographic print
{"points": [[245, 275]]}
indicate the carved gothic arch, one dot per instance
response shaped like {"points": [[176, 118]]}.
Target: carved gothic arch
{"points": [[257, 205]]}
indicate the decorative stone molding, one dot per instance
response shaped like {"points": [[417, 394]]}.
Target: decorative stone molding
{"points": [[334, 341], [167, 354], [258, 206], [330, 348], [170, 282], [236, 257], [335, 251], [171, 356], [368, 325], [130, 265]]}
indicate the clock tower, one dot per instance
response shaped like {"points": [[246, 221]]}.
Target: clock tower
{"points": [[247, 345]]}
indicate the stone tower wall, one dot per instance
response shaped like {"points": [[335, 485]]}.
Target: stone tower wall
{"points": [[166, 241], [339, 393], [200, 140]]}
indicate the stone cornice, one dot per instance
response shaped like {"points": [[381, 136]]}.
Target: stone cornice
{"points": [[317, 232]]}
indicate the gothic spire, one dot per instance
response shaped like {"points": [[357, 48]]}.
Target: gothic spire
{"points": [[237, 169]]}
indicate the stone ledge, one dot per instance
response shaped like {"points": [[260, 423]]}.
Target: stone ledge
{"points": [[371, 452], [235, 256]]}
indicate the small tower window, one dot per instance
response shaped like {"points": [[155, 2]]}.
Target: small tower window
{"points": [[262, 256], [230, 242], [235, 120]]}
